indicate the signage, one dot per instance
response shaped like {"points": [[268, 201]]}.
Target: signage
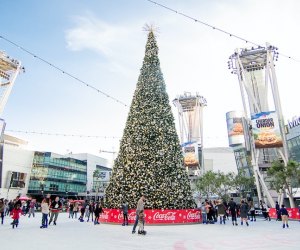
{"points": [[154, 216], [191, 155], [235, 128], [294, 123], [266, 131]]}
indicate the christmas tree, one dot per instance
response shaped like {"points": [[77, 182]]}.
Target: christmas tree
{"points": [[150, 160]]}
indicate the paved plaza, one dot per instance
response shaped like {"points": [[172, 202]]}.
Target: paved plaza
{"points": [[71, 234]]}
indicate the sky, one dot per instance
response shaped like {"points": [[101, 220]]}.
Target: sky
{"points": [[102, 43]]}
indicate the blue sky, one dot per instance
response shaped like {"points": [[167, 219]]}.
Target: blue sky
{"points": [[102, 43]]}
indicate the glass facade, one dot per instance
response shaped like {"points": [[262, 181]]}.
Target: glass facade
{"points": [[57, 175], [294, 148]]}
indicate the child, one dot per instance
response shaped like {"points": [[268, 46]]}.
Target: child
{"points": [[45, 212], [141, 223], [98, 210], [15, 214], [284, 216]]}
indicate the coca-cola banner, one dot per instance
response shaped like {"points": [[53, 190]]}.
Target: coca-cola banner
{"points": [[293, 213], [161, 216]]}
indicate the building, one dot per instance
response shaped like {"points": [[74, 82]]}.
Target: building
{"points": [[219, 159], [293, 139], [57, 175], [98, 174], [16, 168]]}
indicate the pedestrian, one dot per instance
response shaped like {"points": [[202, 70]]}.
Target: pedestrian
{"points": [[97, 211], [233, 211], [87, 210], [252, 211], [284, 216], [139, 208], [32, 208], [125, 213], [2, 210], [221, 211], [16, 215], [55, 208], [45, 212], [141, 223], [244, 212]]}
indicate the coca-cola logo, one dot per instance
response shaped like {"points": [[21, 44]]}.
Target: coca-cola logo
{"points": [[193, 216], [164, 216], [104, 215], [131, 216]]}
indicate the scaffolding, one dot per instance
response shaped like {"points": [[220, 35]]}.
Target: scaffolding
{"points": [[255, 69]]}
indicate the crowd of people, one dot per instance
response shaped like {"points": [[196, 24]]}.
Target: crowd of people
{"points": [[50, 209], [220, 211], [212, 211]]}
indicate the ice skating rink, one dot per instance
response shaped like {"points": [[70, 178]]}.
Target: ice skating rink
{"points": [[70, 234]]}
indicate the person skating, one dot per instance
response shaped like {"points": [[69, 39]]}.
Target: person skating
{"points": [[252, 211], [139, 208], [233, 211], [82, 211], [2, 210], [45, 212], [244, 212], [55, 208], [221, 211], [284, 216], [98, 210], [141, 223], [125, 213], [16, 215]]}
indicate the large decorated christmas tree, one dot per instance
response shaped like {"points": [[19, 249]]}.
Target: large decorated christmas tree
{"points": [[150, 160]]}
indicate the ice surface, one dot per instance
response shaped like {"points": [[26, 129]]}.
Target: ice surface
{"points": [[70, 234]]}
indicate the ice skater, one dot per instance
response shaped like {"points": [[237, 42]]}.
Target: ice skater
{"points": [[97, 211], [16, 215], [45, 212], [141, 223], [139, 208], [284, 216], [244, 212], [2, 210], [125, 213]]}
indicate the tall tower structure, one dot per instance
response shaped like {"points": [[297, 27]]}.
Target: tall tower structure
{"points": [[9, 70], [265, 137], [190, 116]]}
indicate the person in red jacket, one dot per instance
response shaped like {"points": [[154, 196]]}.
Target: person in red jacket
{"points": [[15, 214]]}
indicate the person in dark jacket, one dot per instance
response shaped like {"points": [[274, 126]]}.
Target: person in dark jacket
{"points": [[98, 210], [125, 213], [233, 211], [285, 216], [244, 212], [221, 211], [55, 208], [277, 207]]}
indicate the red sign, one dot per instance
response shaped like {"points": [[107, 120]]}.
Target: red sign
{"points": [[154, 216], [293, 213]]}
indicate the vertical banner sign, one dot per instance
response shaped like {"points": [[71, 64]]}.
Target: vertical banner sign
{"points": [[235, 128], [2, 127], [266, 131], [190, 154]]}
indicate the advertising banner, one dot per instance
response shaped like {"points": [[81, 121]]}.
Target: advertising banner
{"points": [[154, 216], [190, 155], [293, 213], [266, 131], [235, 128]]}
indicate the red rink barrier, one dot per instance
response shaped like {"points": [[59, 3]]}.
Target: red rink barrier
{"points": [[293, 213], [154, 216]]}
